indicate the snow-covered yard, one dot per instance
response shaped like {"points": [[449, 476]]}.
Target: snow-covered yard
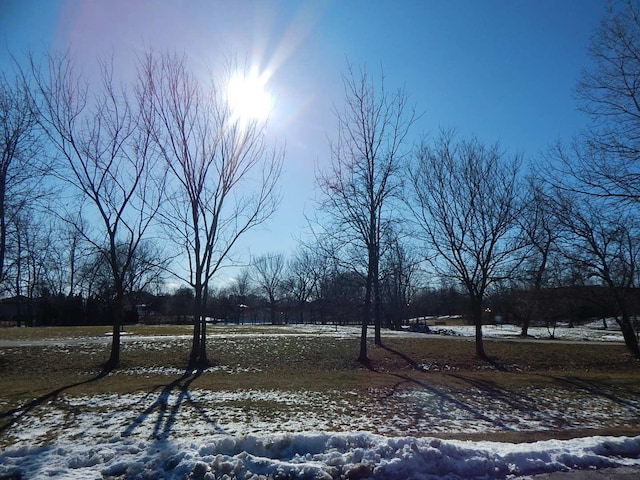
{"points": [[178, 432]]}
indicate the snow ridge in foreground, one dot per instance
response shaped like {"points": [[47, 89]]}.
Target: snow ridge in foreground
{"points": [[315, 456]]}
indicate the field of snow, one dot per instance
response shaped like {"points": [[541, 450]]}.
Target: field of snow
{"points": [[594, 331], [178, 432]]}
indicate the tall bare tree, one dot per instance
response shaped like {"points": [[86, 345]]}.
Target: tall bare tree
{"points": [[603, 159], [30, 253], [600, 171], [539, 229], [106, 156], [603, 237], [363, 176], [301, 279], [240, 292], [19, 144], [464, 196], [268, 276], [223, 174], [398, 274]]}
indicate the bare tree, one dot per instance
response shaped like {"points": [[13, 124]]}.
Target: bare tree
{"points": [[240, 291], [599, 172], [316, 263], [69, 254], [398, 272], [106, 157], [603, 159], [35, 246], [301, 279], [96, 277], [603, 237], [24, 264], [147, 268], [268, 277], [144, 274], [363, 177], [241, 286], [19, 144], [539, 230], [223, 175], [464, 196]]}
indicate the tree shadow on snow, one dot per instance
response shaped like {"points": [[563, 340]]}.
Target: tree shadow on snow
{"points": [[520, 406], [410, 361], [492, 361], [11, 417], [165, 408], [515, 401], [487, 389], [448, 400], [445, 398], [626, 397]]}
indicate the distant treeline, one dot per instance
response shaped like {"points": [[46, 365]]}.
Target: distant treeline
{"points": [[573, 305]]}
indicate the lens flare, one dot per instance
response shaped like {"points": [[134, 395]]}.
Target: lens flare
{"points": [[248, 97]]}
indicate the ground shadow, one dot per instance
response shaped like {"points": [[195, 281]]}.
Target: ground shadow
{"points": [[613, 393], [494, 362], [443, 396], [11, 417], [516, 401], [448, 399], [520, 406], [166, 409], [410, 361]]}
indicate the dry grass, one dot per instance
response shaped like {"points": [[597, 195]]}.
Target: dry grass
{"points": [[53, 333], [315, 363]]}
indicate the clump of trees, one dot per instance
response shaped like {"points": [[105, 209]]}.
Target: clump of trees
{"points": [[221, 175], [105, 184], [596, 186], [125, 160], [464, 197], [362, 180]]}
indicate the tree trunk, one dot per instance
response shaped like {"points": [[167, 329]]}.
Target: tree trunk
{"points": [[195, 344], [377, 310], [373, 286], [363, 358], [114, 358], [366, 312], [194, 358], [272, 311], [203, 361], [476, 310], [301, 305], [525, 326], [630, 339]]}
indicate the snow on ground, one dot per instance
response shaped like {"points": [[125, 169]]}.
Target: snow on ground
{"points": [[314, 455], [177, 432], [177, 412], [597, 331], [594, 331]]}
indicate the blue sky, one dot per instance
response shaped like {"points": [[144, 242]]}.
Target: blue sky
{"points": [[502, 70]]}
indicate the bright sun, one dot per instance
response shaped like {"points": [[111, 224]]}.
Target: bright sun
{"points": [[248, 98]]}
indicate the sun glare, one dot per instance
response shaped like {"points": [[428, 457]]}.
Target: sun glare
{"points": [[248, 99]]}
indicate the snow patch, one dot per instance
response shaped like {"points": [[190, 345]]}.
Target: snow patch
{"points": [[315, 455]]}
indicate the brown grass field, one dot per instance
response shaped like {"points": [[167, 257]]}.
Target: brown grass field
{"points": [[273, 359]]}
